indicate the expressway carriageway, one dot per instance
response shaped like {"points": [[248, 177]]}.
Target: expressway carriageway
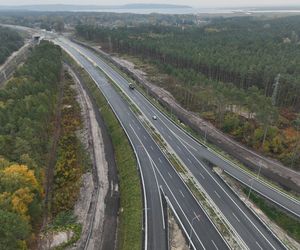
{"points": [[250, 229], [158, 176], [200, 151]]}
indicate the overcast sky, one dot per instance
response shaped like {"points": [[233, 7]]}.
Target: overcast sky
{"points": [[197, 3]]}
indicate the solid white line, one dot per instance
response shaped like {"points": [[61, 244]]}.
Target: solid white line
{"points": [[217, 194], [159, 172], [181, 193], [194, 232], [214, 244], [182, 226], [233, 201], [258, 245], [173, 195], [169, 189], [152, 162], [236, 217]]}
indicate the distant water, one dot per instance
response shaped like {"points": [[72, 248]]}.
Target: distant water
{"points": [[162, 11], [188, 11]]}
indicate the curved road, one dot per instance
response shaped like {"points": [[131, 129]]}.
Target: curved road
{"points": [[157, 174]]}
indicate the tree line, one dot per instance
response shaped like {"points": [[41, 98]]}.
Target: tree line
{"points": [[27, 105], [10, 41], [242, 74], [243, 51]]}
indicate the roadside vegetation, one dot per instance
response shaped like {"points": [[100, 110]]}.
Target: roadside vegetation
{"points": [[130, 218], [27, 106], [239, 73], [71, 159], [10, 41], [71, 163], [288, 223]]}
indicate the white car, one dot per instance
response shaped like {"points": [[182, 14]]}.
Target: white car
{"points": [[154, 117]]}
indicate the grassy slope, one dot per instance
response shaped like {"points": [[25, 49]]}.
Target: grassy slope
{"points": [[286, 222], [130, 225]]}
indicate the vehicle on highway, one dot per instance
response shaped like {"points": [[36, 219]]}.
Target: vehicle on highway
{"points": [[131, 86], [154, 117]]}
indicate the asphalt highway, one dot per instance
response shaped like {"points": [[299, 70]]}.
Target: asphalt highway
{"points": [[158, 174], [159, 177], [250, 229], [197, 149]]}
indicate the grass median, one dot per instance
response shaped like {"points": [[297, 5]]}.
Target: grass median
{"points": [[288, 223], [130, 218]]}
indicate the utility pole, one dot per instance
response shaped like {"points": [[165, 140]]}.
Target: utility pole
{"points": [[275, 91], [257, 177]]}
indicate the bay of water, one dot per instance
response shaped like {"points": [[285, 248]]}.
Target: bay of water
{"points": [[189, 11]]}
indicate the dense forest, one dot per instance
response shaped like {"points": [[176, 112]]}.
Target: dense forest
{"points": [[27, 106], [10, 41], [242, 51], [240, 73], [57, 20]]}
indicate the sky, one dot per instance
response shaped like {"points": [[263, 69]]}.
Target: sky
{"points": [[194, 3]]}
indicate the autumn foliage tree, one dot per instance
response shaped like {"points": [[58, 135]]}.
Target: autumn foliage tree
{"points": [[27, 104]]}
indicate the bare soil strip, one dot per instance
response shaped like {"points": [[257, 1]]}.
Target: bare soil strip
{"points": [[105, 201]]}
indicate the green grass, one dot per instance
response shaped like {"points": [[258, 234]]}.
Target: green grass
{"points": [[288, 223], [130, 220], [65, 221]]}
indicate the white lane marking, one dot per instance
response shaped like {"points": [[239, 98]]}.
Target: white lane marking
{"points": [[202, 176], [151, 147], [138, 127], [197, 216], [214, 244], [170, 137], [170, 175], [217, 194], [181, 193], [145, 137], [230, 197], [258, 245], [189, 160], [179, 148], [152, 163], [236, 217], [128, 113], [159, 160], [160, 174]]}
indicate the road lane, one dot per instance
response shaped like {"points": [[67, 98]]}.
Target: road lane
{"points": [[247, 225], [205, 234]]}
